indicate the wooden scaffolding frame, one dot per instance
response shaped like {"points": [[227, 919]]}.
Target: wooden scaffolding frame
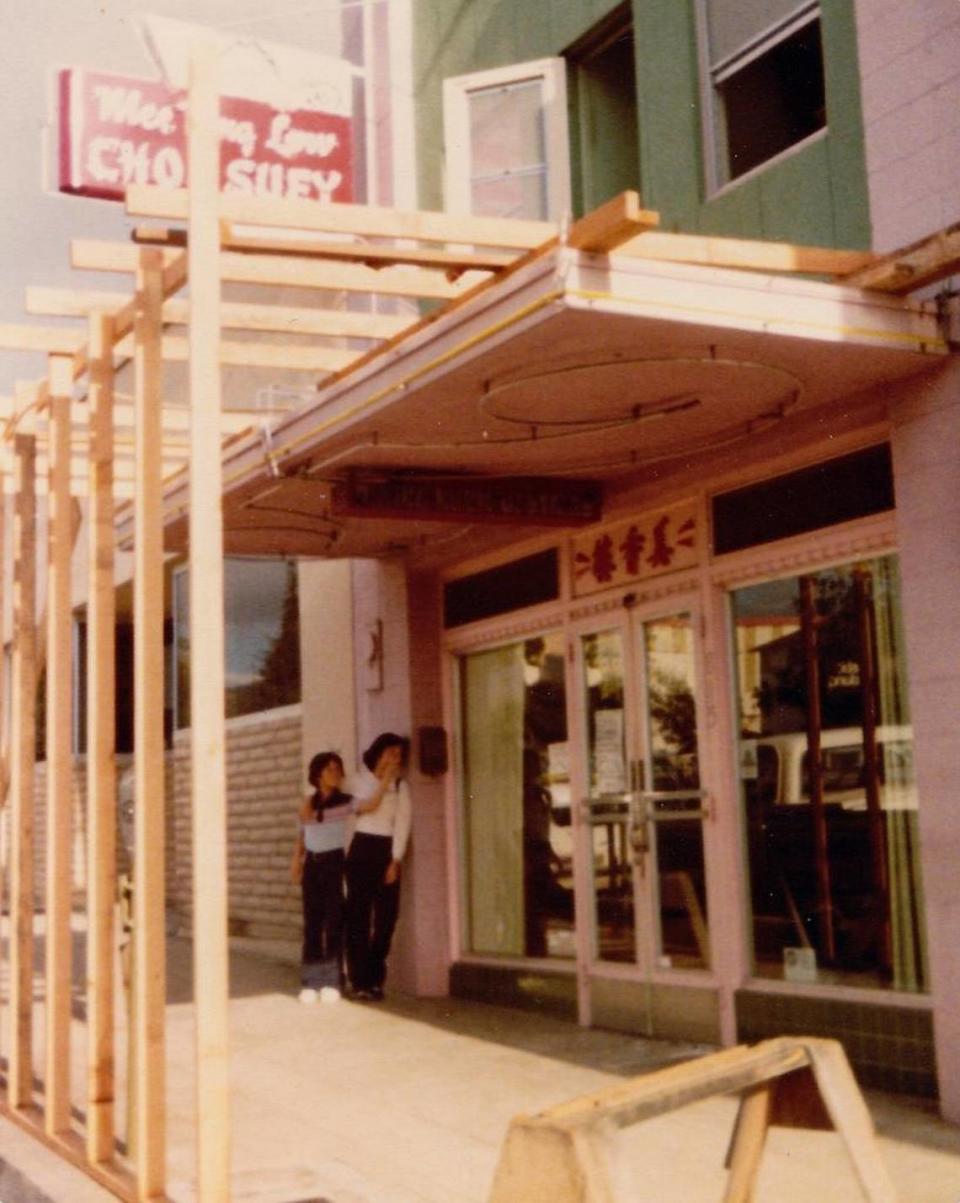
{"points": [[71, 435]]}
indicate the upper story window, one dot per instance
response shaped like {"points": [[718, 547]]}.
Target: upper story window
{"points": [[762, 66], [261, 636], [603, 109], [506, 142]]}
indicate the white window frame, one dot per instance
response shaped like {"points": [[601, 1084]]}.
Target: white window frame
{"points": [[456, 130], [714, 73]]}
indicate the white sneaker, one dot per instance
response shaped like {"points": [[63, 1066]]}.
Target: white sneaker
{"points": [[329, 994], [307, 995]]}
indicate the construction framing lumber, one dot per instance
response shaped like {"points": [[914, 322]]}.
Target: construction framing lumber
{"points": [[614, 223], [914, 266], [278, 319], [22, 755], [52, 340], [277, 272], [208, 737], [58, 938], [149, 958], [336, 277], [101, 748], [561, 1153], [744, 253], [367, 221], [375, 254], [254, 355]]}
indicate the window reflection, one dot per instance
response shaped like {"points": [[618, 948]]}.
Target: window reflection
{"points": [[261, 637], [826, 762], [517, 821]]}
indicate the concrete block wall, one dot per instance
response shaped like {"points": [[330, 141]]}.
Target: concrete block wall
{"points": [[264, 788], [910, 87]]}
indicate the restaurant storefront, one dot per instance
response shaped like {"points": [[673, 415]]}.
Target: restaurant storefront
{"points": [[684, 797]]}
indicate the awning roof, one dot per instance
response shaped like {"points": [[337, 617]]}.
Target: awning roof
{"points": [[585, 353]]}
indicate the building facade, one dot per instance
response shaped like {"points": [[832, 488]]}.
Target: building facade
{"points": [[700, 752]]}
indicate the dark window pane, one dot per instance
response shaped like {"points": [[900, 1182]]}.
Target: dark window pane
{"points": [[838, 490], [508, 587], [775, 101]]}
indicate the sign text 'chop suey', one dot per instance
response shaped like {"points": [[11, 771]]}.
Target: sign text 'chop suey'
{"points": [[116, 130]]}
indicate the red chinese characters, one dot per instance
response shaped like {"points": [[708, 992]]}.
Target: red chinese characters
{"points": [[664, 541]]}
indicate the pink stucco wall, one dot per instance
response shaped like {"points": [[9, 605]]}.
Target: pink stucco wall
{"points": [[926, 434], [910, 67]]}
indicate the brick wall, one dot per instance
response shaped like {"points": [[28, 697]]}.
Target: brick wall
{"points": [[910, 67], [264, 787]]}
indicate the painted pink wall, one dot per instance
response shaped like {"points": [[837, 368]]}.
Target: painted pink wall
{"points": [[910, 67], [926, 435]]}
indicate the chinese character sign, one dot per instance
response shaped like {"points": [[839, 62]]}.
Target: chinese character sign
{"points": [[663, 541], [116, 131]]}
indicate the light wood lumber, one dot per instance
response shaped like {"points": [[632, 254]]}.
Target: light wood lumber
{"points": [[606, 228], [208, 739], [376, 254], [101, 759], [744, 253], [279, 319], [255, 355], [59, 698], [92, 255], [346, 277], [848, 1112], [22, 751], [149, 834], [365, 220], [559, 1154], [915, 266], [55, 340], [753, 1121]]}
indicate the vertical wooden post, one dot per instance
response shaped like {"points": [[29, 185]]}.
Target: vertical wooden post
{"points": [[148, 869], [208, 776], [58, 940], [101, 749], [22, 756]]}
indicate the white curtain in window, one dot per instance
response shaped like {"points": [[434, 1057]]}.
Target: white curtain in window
{"points": [[493, 799]]}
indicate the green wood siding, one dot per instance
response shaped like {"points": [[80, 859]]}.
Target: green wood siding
{"points": [[816, 194]]}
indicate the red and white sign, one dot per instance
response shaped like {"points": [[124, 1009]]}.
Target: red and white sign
{"points": [[116, 130], [662, 541]]}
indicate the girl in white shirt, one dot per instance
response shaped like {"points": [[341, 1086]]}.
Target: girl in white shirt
{"points": [[373, 864]]}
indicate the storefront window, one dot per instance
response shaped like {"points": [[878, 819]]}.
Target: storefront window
{"points": [[826, 765], [517, 820], [672, 717], [612, 853]]}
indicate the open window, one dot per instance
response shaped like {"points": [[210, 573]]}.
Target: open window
{"points": [[505, 133], [603, 93], [762, 67]]}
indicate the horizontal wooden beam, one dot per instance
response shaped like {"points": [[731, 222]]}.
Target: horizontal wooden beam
{"points": [[52, 340], [234, 315], [176, 418], [176, 349], [336, 277], [373, 254], [94, 255], [613, 223], [914, 266], [368, 221], [744, 253]]}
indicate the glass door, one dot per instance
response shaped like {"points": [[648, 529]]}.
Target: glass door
{"points": [[643, 805]]}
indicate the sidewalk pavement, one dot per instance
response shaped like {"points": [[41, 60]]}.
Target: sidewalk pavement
{"points": [[407, 1101]]}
